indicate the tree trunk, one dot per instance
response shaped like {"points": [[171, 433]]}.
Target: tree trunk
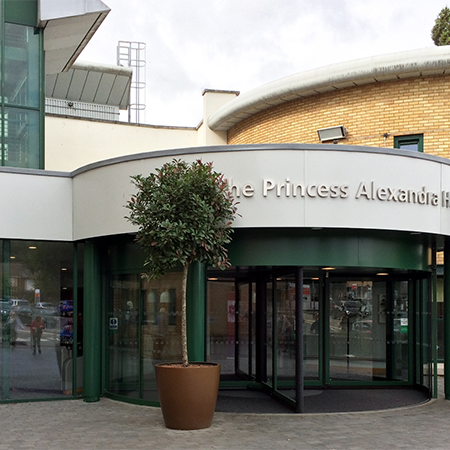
{"points": [[184, 351]]}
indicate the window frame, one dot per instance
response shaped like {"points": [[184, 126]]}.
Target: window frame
{"points": [[409, 139]]}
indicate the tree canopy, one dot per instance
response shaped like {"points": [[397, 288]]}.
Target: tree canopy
{"points": [[184, 213], [440, 33]]}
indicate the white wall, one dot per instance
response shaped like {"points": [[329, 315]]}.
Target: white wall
{"points": [[91, 202], [73, 143], [35, 206], [103, 213]]}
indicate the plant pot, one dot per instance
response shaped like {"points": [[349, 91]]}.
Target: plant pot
{"points": [[188, 395]]}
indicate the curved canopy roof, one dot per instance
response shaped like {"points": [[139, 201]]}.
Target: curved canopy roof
{"points": [[414, 63]]}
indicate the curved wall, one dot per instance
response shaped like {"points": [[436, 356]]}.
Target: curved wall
{"points": [[277, 186], [288, 186], [401, 107], [329, 247]]}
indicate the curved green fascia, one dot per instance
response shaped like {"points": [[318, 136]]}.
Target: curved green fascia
{"points": [[329, 247], [121, 253]]}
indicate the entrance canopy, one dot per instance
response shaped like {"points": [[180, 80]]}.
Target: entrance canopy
{"points": [[277, 186]]}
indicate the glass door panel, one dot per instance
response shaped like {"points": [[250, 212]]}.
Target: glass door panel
{"points": [[268, 333], [312, 329], [244, 329], [221, 324], [159, 328], [357, 330], [400, 332], [123, 342], [285, 327]]}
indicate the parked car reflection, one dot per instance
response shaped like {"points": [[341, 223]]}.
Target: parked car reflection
{"points": [[66, 308], [362, 326], [24, 313]]}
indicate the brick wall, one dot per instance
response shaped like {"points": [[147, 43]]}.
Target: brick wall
{"points": [[402, 107]]}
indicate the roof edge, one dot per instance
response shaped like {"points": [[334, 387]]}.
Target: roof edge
{"points": [[433, 60]]}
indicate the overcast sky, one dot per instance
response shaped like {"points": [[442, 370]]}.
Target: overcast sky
{"points": [[242, 44]]}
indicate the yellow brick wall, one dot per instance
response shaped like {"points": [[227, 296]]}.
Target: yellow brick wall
{"points": [[402, 107]]}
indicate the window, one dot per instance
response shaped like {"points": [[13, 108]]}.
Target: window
{"points": [[21, 92], [412, 142]]}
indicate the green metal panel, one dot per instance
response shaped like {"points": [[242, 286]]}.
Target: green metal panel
{"points": [[346, 248], [447, 320], [5, 294], [75, 320], [92, 325], [2, 83], [196, 312], [41, 101], [21, 11]]}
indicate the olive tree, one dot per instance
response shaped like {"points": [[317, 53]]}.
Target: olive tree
{"points": [[184, 213]]}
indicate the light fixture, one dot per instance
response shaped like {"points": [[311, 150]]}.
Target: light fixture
{"points": [[328, 268], [12, 257], [332, 133], [212, 279], [32, 247], [63, 268], [382, 273]]}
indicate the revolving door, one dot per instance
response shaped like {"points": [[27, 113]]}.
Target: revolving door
{"points": [[355, 330]]}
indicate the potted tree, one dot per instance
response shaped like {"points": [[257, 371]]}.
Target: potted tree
{"points": [[184, 213]]}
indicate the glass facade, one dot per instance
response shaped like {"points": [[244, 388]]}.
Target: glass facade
{"points": [[41, 295], [143, 330], [357, 330], [360, 326], [21, 88]]}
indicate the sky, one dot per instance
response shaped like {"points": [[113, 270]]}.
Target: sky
{"points": [[239, 45]]}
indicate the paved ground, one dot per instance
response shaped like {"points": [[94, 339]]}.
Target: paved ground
{"points": [[111, 425]]}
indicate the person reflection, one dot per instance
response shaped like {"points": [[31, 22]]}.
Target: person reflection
{"points": [[36, 329], [314, 329], [162, 323]]}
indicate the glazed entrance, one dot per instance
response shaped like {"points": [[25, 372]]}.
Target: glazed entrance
{"points": [[354, 330]]}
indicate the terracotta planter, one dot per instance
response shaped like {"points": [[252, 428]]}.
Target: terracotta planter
{"points": [[188, 395]]}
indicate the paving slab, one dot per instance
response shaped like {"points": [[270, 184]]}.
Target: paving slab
{"points": [[109, 424]]}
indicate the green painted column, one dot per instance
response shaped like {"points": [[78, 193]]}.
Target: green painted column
{"points": [[447, 319], [196, 311], [92, 324], [5, 276]]}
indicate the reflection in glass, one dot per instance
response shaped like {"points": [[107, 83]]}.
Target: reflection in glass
{"points": [[285, 328], [311, 328], [21, 138], [21, 65], [144, 330], [36, 285], [221, 300], [123, 335], [357, 341], [400, 331]]}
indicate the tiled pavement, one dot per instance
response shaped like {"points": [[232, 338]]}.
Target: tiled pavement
{"points": [[109, 424]]}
